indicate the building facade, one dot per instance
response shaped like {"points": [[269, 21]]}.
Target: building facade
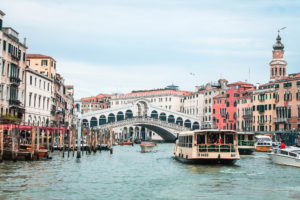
{"points": [[12, 72], [99, 102], [38, 98], [245, 111]]}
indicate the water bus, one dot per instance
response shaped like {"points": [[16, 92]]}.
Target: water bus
{"points": [[287, 156], [246, 143], [147, 146], [207, 147], [263, 143]]}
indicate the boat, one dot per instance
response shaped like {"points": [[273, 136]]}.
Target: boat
{"points": [[246, 143], [128, 142], [263, 143], [147, 146], [288, 156], [207, 147]]}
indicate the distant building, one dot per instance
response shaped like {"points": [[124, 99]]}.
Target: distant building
{"points": [[12, 72], [43, 64], [99, 102], [244, 121]]}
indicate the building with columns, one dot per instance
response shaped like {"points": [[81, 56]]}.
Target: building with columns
{"points": [[12, 71]]}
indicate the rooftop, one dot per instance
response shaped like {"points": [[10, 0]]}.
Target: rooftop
{"points": [[38, 56]]}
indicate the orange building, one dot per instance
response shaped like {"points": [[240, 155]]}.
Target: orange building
{"points": [[99, 102]]}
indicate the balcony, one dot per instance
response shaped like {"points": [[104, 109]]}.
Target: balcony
{"points": [[15, 80], [281, 120], [247, 116], [14, 102], [223, 114]]}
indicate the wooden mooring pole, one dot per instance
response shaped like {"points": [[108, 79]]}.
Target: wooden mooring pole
{"points": [[79, 139], [38, 143], [1, 143], [74, 140], [111, 142], [69, 143], [32, 143]]}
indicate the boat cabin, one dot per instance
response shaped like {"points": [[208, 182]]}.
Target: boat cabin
{"points": [[246, 143]]}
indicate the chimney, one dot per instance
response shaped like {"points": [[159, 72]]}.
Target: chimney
{"points": [[2, 14], [24, 41]]}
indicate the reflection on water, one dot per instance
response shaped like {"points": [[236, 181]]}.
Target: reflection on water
{"points": [[130, 174]]}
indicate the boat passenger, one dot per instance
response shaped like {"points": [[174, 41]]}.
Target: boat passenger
{"points": [[282, 145]]}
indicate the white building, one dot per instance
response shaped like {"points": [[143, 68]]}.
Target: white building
{"points": [[168, 98], [38, 98]]}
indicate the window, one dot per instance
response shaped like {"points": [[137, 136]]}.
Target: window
{"points": [[4, 45], [30, 80], [35, 82], [44, 62], [287, 85]]}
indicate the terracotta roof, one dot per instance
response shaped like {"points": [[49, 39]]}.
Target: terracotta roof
{"points": [[37, 56], [99, 96], [220, 96], [240, 83], [103, 95], [70, 86]]}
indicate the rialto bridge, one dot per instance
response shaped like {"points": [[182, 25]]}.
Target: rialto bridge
{"points": [[141, 119]]}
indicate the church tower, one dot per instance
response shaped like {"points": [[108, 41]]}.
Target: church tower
{"points": [[278, 64]]}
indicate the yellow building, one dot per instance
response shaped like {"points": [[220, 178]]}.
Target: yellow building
{"points": [[42, 63], [264, 107]]}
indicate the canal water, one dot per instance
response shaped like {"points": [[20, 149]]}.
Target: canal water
{"points": [[130, 174]]}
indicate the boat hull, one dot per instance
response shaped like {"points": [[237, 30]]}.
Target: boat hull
{"points": [[146, 148], [246, 151], [284, 160], [125, 143], [263, 148], [206, 161]]}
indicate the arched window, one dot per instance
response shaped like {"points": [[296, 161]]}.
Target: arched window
{"points": [[85, 122], [196, 126], [93, 122]]}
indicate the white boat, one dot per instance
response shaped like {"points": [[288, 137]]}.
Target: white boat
{"points": [[147, 146], [263, 143], [207, 147], [288, 156]]}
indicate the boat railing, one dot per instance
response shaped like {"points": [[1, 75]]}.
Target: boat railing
{"points": [[216, 148], [246, 143]]}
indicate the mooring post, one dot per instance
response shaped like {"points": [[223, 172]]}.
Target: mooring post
{"points": [[47, 138], [74, 140], [69, 141], [79, 138], [13, 143], [38, 143], [63, 141], [110, 138], [52, 140], [43, 137], [32, 143], [1, 143], [95, 141]]}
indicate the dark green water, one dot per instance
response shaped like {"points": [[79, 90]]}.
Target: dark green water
{"points": [[129, 174]]}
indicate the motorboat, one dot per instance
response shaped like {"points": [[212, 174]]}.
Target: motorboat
{"points": [[246, 143], [147, 146], [263, 143], [207, 147], [288, 156]]}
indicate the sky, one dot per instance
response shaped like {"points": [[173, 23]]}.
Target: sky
{"points": [[116, 46]]}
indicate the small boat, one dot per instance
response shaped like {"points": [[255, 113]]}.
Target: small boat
{"points": [[263, 143], [125, 143], [147, 146], [246, 143], [288, 156], [207, 147]]}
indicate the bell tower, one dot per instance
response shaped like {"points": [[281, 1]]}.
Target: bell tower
{"points": [[278, 64]]}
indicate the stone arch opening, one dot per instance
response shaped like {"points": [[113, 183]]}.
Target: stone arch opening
{"points": [[120, 116], [142, 108], [179, 121], [163, 116], [154, 114], [196, 126], [111, 118], [171, 119], [93, 122], [85, 123], [187, 123], [128, 114], [102, 120]]}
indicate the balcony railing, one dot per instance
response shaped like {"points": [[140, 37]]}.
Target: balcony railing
{"points": [[14, 102], [15, 80], [216, 148], [248, 115], [281, 120]]}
